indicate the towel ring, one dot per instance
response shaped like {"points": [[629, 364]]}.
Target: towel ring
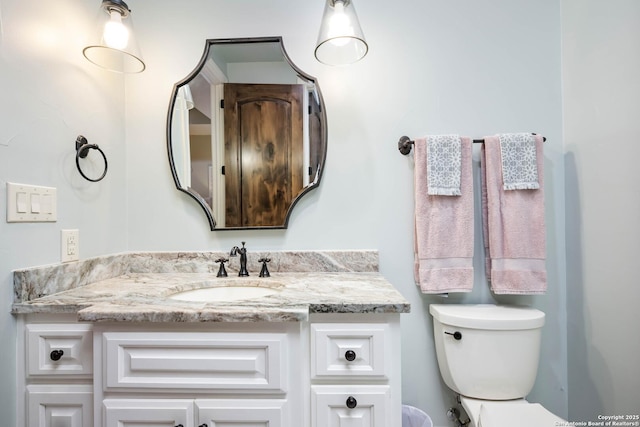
{"points": [[82, 150]]}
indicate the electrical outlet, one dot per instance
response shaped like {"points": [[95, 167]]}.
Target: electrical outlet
{"points": [[70, 245]]}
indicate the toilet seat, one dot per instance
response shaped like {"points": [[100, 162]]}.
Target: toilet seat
{"points": [[491, 413]]}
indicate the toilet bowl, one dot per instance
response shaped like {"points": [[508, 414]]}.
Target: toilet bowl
{"points": [[489, 355]]}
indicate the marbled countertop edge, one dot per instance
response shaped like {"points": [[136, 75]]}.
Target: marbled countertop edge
{"points": [[36, 282], [149, 297]]}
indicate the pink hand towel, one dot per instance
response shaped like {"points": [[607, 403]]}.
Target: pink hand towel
{"points": [[443, 228], [513, 226]]}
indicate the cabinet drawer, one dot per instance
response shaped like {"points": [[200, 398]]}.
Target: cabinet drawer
{"points": [[348, 350], [60, 405], [217, 362], [350, 406], [59, 349]]}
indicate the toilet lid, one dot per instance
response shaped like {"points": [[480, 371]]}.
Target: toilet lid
{"points": [[523, 414]]}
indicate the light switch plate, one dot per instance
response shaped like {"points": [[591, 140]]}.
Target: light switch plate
{"points": [[31, 203], [69, 245]]}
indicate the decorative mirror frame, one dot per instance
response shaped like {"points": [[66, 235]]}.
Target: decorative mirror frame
{"points": [[323, 129]]}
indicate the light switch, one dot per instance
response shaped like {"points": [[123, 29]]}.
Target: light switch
{"points": [[21, 202], [35, 203], [31, 203], [46, 203]]}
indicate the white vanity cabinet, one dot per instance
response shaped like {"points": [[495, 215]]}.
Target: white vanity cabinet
{"points": [[195, 375], [355, 371], [335, 370]]}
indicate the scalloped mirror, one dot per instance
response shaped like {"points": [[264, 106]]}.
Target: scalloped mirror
{"points": [[246, 133]]}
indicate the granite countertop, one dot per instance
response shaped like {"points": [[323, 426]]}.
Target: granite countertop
{"points": [[144, 297]]}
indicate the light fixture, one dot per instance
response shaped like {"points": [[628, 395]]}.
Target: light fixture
{"points": [[341, 40], [114, 45]]}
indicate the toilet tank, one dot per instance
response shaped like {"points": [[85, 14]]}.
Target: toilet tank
{"points": [[487, 351]]}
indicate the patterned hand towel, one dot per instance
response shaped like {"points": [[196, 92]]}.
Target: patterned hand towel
{"points": [[443, 167], [513, 226], [519, 161], [443, 228]]}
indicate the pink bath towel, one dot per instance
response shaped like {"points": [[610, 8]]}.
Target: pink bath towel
{"points": [[513, 226], [443, 228]]}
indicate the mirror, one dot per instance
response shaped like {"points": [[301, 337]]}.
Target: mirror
{"points": [[246, 133]]}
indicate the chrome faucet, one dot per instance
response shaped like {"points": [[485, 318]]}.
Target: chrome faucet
{"points": [[243, 259]]}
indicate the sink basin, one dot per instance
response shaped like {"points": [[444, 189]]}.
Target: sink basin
{"points": [[225, 293]]}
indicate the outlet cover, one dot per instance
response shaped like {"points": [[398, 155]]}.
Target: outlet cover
{"points": [[70, 245]]}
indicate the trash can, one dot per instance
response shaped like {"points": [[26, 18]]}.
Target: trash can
{"points": [[414, 417]]}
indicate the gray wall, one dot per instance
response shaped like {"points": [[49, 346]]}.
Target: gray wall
{"points": [[433, 67], [49, 94], [601, 91]]}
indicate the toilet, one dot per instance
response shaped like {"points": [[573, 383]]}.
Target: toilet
{"points": [[489, 355]]}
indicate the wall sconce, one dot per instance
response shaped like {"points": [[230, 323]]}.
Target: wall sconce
{"points": [[341, 40], [114, 45]]}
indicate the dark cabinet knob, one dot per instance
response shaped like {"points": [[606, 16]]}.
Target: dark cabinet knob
{"points": [[203, 425], [350, 355], [351, 402], [56, 355], [179, 425]]}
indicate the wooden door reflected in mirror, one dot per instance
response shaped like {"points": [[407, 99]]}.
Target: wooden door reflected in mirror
{"points": [[263, 152], [246, 133]]}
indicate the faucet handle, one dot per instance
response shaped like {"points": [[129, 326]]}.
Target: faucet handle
{"points": [[221, 271], [264, 272]]}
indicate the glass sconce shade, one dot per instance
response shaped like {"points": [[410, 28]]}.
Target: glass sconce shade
{"points": [[341, 40], [114, 44]]}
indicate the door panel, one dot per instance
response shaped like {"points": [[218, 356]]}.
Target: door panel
{"points": [[263, 152]]}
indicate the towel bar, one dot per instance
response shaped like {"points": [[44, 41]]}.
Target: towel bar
{"points": [[405, 143]]}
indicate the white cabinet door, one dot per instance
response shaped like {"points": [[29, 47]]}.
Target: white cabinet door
{"points": [[242, 413], [350, 406], [59, 406], [148, 413]]}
